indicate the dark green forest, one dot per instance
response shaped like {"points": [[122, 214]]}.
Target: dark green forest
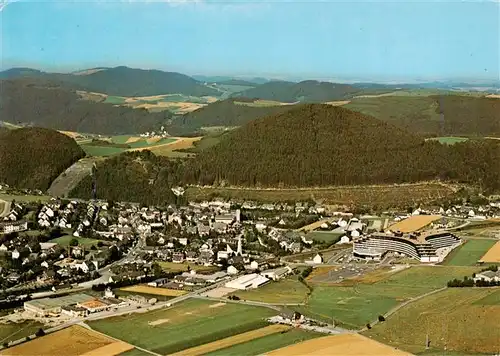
{"points": [[34, 157], [48, 104]]}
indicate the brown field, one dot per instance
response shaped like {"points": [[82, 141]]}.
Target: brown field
{"points": [[75, 340], [233, 340], [414, 223], [153, 290], [493, 254], [338, 103], [169, 148], [182, 107], [343, 344]]}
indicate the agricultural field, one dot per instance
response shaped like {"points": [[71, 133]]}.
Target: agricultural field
{"points": [[355, 305], [75, 340], [82, 241], [145, 289], [260, 103], [341, 345], [15, 331], [183, 267], [285, 291], [172, 149], [414, 223], [469, 253], [267, 343], [101, 151], [122, 143], [191, 323], [381, 196], [493, 254], [234, 340], [462, 320]]}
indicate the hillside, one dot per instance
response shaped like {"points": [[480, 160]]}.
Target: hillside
{"points": [[33, 157], [52, 105], [137, 176], [435, 115], [225, 113], [306, 91], [321, 145], [121, 81]]}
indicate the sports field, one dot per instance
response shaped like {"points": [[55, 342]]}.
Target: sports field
{"points": [[191, 323], [469, 253], [288, 290], [234, 340], [267, 343], [414, 223], [342, 345], [75, 340], [456, 318], [154, 291], [493, 254], [354, 306]]}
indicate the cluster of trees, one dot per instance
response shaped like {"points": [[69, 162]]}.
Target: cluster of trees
{"points": [[58, 107], [470, 282], [321, 145], [33, 157]]}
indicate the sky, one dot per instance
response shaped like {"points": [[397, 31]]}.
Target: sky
{"points": [[388, 41]]}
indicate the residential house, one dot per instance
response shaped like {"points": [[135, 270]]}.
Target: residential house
{"points": [[178, 257]]}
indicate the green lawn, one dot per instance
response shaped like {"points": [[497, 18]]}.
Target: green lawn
{"points": [[13, 331], [490, 299], [102, 150], [355, 306], [267, 343], [451, 318], [288, 290], [324, 236], [469, 253], [82, 241], [191, 323]]}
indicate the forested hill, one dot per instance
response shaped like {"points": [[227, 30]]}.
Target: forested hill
{"points": [[321, 145], [49, 104], [306, 91], [121, 81], [227, 113], [34, 157]]}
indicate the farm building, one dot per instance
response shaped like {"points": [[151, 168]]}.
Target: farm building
{"points": [[248, 281], [53, 306]]}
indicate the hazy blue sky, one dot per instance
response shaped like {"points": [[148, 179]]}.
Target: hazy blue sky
{"points": [[357, 40]]}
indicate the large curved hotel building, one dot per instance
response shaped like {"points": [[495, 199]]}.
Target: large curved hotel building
{"points": [[423, 247]]}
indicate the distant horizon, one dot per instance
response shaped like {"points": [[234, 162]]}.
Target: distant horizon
{"points": [[275, 78], [364, 40]]}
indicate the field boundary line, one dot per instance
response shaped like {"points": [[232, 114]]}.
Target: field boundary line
{"points": [[118, 340]]}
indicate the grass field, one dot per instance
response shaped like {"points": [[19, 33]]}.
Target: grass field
{"points": [[341, 345], [354, 306], [382, 196], [324, 236], [82, 241], [191, 323], [469, 253], [493, 254], [15, 331], [234, 340], [24, 198], [154, 291], [288, 290], [414, 223], [449, 140], [452, 318], [75, 340], [182, 267], [267, 343], [101, 151], [135, 352]]}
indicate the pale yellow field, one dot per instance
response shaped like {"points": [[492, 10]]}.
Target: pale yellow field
{"points": [[153, 290], [132, 139], [496, 96], [493, 254], [75, 340], [168, 148], [233, 340], [414, 223], [338, 103], [70, 133], [314, 225], [343, 345]]}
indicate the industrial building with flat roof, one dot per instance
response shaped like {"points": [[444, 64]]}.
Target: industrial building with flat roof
{"points": [[53, 306], [422, 247], [247, 281]]}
